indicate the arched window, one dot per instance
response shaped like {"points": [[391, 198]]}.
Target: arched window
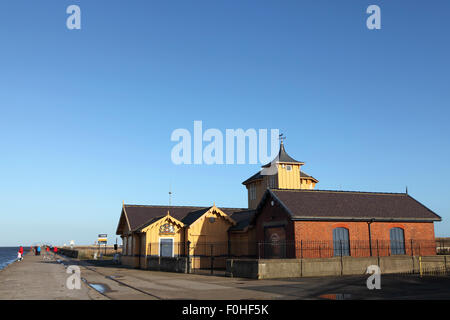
{"points": [[397, 241], [341, 242]]}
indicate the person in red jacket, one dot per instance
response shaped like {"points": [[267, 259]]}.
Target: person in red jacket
{"points": [[20, 254], [55, 250]]}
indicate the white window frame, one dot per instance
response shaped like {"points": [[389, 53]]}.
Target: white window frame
{"points": [[173, 245]]}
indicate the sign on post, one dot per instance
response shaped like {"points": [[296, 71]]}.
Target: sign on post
{"points": [[102, 238]]}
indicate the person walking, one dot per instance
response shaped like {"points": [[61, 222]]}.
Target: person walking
{"points": [[19, 254], [39, 250], [55, 251]]}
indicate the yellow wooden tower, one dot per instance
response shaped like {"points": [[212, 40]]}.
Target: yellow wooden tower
{"points": [[284, 172]]}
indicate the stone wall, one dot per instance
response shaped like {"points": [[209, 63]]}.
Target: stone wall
{"points": [[175, 264], [295, 268]]}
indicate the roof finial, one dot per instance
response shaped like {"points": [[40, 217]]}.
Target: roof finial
{"points": [[282, 137], [123, 203], [406, 190]]}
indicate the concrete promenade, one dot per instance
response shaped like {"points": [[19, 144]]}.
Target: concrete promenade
{"points": [[36, 278]]}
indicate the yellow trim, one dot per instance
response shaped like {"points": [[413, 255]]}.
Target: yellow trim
{"points": [[217, 210], [126, 216], [168, 217]]}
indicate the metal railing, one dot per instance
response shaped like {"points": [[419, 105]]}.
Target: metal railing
{"points": [[338, 248], [293, 249]]}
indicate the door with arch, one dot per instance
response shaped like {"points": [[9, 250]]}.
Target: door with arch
{"points": [[341, 242], [274, 242], [397, 237]]}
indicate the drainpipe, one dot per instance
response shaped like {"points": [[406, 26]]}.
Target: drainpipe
{"points": [[370, 236]]}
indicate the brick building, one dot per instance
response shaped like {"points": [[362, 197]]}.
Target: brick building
{"points": [[291, 219], [317, 223], [286, 218]]}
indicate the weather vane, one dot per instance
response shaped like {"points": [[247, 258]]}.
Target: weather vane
{"points": [[282, 137]]}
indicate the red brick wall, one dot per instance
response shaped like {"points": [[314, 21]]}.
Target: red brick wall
{"points": [[274, 215], [316, 238]]}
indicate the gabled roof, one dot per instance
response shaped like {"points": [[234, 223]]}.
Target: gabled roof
{"points": [[193, 216], [155, 219], [123, 222], [349, 205], [139, 216]]}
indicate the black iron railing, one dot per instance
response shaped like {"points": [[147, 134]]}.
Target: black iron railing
{"points": [[294, 249]]}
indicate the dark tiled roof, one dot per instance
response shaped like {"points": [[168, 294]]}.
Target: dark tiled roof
{"points": [[258, 176], [283, 157], [254, 177], [243, 219], [305, 175], [140, 215], [194, 215], [323, 204]]}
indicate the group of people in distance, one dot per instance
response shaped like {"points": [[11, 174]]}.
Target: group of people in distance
{"points": [[37, 251]]}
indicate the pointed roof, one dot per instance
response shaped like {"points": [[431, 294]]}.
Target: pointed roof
{"points": [[283, 157]]}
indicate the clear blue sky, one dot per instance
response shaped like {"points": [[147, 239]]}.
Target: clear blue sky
{"points": [[86, 116]]}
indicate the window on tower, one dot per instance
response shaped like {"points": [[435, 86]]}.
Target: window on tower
{"points": [[271, 182], [252, 192]]}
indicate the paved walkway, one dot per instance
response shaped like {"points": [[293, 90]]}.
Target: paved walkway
{"points": [[36, 278]]}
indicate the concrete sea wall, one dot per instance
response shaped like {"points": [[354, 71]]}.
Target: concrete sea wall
{"points": [[295, 268]]}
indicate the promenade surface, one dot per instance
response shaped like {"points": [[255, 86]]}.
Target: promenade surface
{"points": [[36, 278]]}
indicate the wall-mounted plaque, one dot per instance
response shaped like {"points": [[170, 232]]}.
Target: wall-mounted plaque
{"points": [[166, 228]]}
